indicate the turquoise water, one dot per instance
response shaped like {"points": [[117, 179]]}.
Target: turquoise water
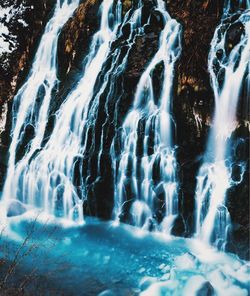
{"points": [[103, 258]]}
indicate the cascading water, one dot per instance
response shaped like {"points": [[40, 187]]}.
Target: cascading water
{"points": [[146, 169], [46, 180], [45, 177], [31, 104], [114, 132], [229, 69]]}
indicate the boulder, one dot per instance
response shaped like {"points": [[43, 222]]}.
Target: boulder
{"points": [[16, 208], [206, 290], [233, 35]]}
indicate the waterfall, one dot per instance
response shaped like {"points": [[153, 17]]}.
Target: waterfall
{"points": [[45, 176], [97, 141], [45, 180], [229, 69], [145, 168], [31, 104], [54, 175]]}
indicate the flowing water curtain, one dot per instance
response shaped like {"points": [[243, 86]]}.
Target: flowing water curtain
{"points": [[146, 184], [43, 178], [49, 180], [31, 104], [229, 70], [84, 109], [103, 104], [104, 110]]}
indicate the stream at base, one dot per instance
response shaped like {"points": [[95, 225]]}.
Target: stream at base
{"points": [[102, 258]]}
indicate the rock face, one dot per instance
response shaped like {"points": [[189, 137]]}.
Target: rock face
{"points": [[74, 38], [24, 22], [206, 289], [22, 26], [238, 194], [114, 104], [192, 104]]}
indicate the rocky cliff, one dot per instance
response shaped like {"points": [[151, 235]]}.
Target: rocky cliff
{"points": [[193, 102]]}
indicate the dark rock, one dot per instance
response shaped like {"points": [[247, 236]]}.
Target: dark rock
{"points": [[16, 208], [28, 134], [206, 290], [238, 241], [156, 21], [233, 35], [101, 198], [126, 30], [219, 54], [75, 36], [236, 172], [179, 228], [86, 209], [15, 66], [147, 8], [125, 215], [235, 5], [158, 78]]}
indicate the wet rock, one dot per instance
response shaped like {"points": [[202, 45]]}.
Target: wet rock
{"points": [[139, 58], [219, 54], [179, 228], [157, 78], [126, 5], [238, 205], [86, 208], [159, 191], [27, 27], [75, 36], [16, 208], [190, 165], [125, 215], [147, 9], [235, 5], [27, 135], [199, 20], [206, 290], [126, 30], [237, 173], [156, 21], [100, 199], [238, 193], [221, 76], [233, 35], [240, 142]]}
